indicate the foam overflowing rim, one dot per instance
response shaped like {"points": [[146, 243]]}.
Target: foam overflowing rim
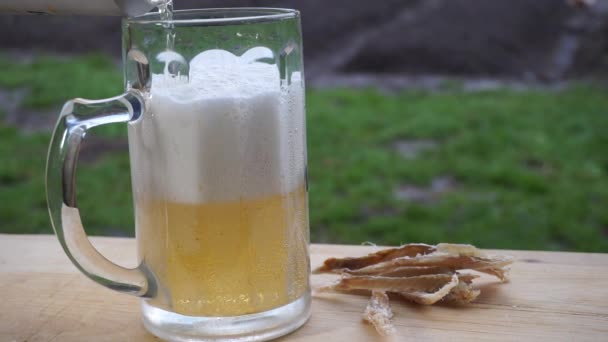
{"points": [[218, 16]]}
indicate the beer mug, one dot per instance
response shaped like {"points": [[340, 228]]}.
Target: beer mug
{"points": [[214, 105]]}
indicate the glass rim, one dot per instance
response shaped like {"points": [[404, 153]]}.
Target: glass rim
{"points": [[208, 16]]}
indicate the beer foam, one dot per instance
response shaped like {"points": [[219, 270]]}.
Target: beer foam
{"points": [[229, 132], [219, 74]]}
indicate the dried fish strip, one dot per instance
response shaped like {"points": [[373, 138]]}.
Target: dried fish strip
{"points": [[430, 298], [420, 273], [461, 294], [404, 271], [460, 249], [339, 264], [378, 313], [425, 290], [441, 260], [498, 272], [467, 278], [427, 283]]}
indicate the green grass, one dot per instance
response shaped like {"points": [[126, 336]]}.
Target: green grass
{"points": [[531, 168], [50, 80], [487, 143]]}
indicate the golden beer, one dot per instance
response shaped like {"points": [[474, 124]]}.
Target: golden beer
{"points": [[226, 258]]}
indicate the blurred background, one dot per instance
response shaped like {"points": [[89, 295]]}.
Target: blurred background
{"points": [[481, 122]]}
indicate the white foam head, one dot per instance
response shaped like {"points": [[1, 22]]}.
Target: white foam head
{"points": [[229, 132]]}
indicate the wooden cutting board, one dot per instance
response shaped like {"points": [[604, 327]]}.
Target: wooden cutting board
{"points": [[551, 297]]}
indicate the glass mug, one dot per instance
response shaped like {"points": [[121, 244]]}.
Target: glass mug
{"points": [[214, 105]]}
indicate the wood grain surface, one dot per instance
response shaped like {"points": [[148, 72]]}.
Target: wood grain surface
{"points": [[551, 297]]}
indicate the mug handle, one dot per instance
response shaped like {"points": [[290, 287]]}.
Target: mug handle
{"points": [[75, 119]]}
